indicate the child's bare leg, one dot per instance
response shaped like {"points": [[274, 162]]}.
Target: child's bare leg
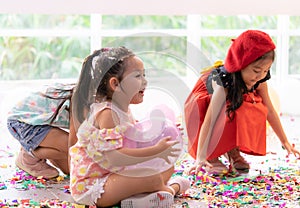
{"points": [[119, 187], [55, 148], [167, 174], [177, 184]]}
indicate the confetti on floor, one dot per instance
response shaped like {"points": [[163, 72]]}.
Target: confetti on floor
{"points": [[274, 181], [275, 187]]}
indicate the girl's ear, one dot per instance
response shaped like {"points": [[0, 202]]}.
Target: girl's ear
{"points": [[113, 83]]}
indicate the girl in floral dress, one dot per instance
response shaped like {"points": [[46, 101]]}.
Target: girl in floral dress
{"points": [[111, 80], [40, 122]]}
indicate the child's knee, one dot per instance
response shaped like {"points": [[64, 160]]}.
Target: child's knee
{"points": [[154, 182]]}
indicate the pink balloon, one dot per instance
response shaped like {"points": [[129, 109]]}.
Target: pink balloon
{"points": [[159, 124]]}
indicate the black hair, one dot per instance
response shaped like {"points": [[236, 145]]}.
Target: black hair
{"points": [[97, 69]]}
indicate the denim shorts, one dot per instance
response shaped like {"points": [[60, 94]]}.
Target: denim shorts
{"points": [[29, 136]]}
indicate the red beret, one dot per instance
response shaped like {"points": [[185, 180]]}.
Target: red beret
{"points": [[246, 48]]}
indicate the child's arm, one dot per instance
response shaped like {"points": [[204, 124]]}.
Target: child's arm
{"points": [[274, 120], [129, 156], [216, 104]]}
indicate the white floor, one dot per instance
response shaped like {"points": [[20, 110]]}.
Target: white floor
{"points": [[56, 190]]}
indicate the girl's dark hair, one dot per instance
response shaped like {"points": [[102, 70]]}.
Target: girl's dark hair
{"points": [[96, 71], [238, 88]]}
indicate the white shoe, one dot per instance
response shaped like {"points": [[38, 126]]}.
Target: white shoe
{"points": [[183, 183], [160, 199]]}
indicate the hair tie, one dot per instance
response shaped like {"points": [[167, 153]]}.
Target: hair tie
{"points": [[94, 60], [106, 49]]}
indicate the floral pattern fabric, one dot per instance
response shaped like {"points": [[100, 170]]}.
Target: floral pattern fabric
{"points": [[88, 163], [37, 109]]}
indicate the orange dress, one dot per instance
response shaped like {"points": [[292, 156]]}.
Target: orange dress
{"points": [[247, 130]]}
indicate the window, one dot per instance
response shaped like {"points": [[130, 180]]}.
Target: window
{"points": [[43, 48], [53, 46]]}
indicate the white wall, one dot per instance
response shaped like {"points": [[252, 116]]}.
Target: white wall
{"points": [[153, 7], [288, 92]]}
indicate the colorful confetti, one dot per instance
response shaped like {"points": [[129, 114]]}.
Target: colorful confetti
{"points": [[278, 187], [273, 182]]}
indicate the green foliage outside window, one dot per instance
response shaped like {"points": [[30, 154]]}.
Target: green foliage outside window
{"points": [[143, 22], [238, 22], [159, 53], [41, 58], [37, 21], [31, 56]]}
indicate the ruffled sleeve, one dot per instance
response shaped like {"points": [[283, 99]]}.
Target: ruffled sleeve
{"points": [[109, 139], [96, 141], [224, 79], [220, 76]]}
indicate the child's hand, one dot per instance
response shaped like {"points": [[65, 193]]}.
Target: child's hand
{"points": [[200, 166], [291, 149], [166, 149]]}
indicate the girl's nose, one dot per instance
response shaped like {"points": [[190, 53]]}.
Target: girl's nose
{"points": [[145, 82], [259, 76]]}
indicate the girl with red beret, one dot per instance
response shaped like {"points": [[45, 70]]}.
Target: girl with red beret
{"points": [[227, 110]]}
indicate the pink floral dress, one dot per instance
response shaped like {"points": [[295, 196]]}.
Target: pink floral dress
{"points": [[89, 168]]}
